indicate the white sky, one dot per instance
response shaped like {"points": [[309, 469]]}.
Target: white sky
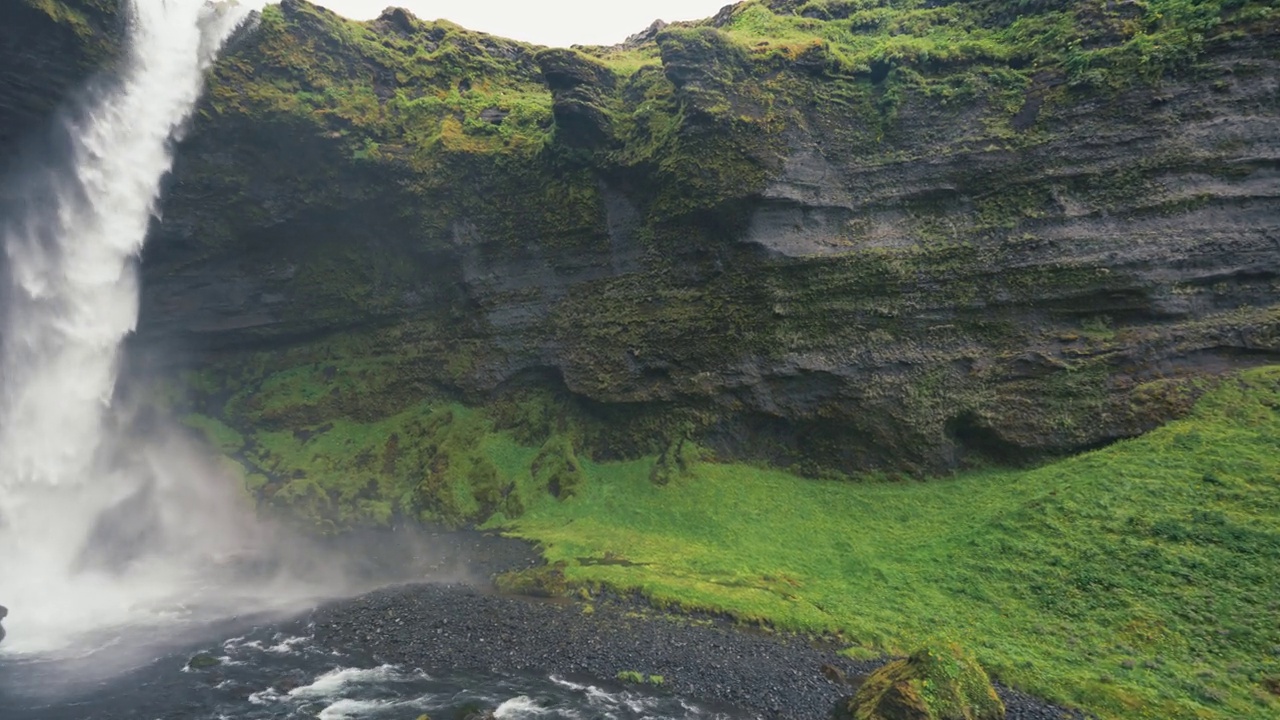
{"points": [[546, 22]]}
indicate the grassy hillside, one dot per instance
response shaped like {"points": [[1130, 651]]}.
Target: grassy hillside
{"points": [[1139, 581]]}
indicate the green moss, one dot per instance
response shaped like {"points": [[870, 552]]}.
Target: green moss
{"points": [[942, 682], [634, 677], [631, 676], [423, 462], [546, 582], [218, 434], [556, 467], [436, 79], [676, 461], [335, 435], [203, 661], [691, 123], [94, 22]]}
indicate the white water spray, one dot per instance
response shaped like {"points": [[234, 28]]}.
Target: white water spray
{"points": [[71, 251]]}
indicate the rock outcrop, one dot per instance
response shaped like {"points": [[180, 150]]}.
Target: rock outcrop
{"points": [[49, 49], [801, 232]]}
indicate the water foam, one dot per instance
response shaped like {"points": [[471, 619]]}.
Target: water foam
{"points": [[79, 501], [334, 683], [288, 645], [519, 709], [350, 709]]}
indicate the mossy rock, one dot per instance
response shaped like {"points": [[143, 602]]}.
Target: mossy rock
{"points": [[203, 661], [547, 581], [675, 462], [937, 683], [557, 468]]}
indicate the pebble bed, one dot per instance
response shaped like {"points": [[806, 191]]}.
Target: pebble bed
{"points": [[466, 627]]}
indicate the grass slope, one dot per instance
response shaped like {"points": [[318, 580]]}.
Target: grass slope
{"points": [[1139, 581]]}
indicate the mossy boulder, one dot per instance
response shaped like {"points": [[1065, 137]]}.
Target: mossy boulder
{"points": [[675, 462], [557, 468], [546, 581], [203, 661], [941, 682]]}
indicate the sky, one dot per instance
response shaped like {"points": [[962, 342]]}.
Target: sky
{"points": [[546, 22]]}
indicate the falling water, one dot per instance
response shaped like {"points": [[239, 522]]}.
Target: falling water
{"points": [[78, 500]]}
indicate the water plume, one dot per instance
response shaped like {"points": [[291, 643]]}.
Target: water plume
{"points": [[101, 525]]}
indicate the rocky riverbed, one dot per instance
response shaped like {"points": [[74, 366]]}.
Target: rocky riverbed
{"points": [[448, 644], [467, 626]]}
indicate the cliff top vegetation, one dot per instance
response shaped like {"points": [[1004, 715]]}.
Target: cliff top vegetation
{"points": [[399, 86]]}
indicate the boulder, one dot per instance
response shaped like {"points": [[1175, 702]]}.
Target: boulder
{"points": [[203, 661], [936, 683], [4, 612]]}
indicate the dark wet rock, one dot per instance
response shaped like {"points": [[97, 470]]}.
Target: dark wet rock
{"points": [[45, 56], [580, 86], [4, 613], [494, 115], [462, 627], [647, 35]]}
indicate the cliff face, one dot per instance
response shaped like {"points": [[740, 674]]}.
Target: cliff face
{"points": [[49, 48], [898, 238], [898, 235]]}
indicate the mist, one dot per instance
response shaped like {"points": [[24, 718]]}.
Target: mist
{"points": [[111, 515]]}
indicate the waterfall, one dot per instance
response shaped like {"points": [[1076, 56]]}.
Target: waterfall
{"points": [[73, 488]]}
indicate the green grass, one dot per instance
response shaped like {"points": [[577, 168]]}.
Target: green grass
{"points": [[1142, 40], [226, 439], [1139, 581]]}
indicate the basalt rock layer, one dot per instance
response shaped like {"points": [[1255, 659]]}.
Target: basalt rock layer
{"points": [[844, 236]]}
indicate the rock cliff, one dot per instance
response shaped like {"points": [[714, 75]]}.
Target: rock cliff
{"points": [[49, 49], [836, 235]]}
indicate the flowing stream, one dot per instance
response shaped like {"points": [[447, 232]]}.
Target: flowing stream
{"points": [[282, 672]]}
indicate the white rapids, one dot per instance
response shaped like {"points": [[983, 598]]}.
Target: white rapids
{"points": [[71, 245]]}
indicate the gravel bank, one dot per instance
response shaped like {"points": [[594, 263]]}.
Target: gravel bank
{"points": [[467, 628]]}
